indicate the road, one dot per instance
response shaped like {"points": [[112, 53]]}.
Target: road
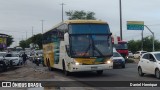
{"points": [[31, 72], [128, 74]]}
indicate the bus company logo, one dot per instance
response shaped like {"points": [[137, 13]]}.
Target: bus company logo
{"points": [[6, 84]]}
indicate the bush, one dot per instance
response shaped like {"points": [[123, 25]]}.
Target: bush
{"points": [[129, 60]]}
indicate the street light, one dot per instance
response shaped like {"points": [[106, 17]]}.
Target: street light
{"points": [[153, 49]]}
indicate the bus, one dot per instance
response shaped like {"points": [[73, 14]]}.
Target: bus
{"points": [[78, 45]]}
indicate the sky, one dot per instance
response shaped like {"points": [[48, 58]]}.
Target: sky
{"points": [[17, 17]]}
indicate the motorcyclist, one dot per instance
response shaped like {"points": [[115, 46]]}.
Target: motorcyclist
{"points": [[36, 59]]}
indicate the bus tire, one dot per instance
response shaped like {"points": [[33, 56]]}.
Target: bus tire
{"points": [[100, 72], [66, 73], [49, 66]]}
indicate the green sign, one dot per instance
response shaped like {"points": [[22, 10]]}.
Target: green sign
{"points": [[135, 25]]}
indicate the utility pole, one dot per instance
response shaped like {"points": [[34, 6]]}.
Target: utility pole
{"points": [[32, 31], [62, 10], [42, 25], [26, 35], [142, 41], [120, 12]]}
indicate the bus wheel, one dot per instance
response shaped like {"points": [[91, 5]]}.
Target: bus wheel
{"points": [[100, 72], [49, 66], [64, 70]]}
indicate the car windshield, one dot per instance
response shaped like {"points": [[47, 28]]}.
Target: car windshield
{"points": [[121, 46], [39, 52], [143, 52], [11, 55], [115, 54], [91, 45], [157, 55], [2, 54]]}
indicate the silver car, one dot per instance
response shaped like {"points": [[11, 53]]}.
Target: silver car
{"points": [[14, 59]]}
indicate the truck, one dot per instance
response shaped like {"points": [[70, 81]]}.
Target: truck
{"points": [[121, 46]]}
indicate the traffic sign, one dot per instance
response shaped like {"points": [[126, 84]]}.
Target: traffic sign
{"points": [[135, 25]]}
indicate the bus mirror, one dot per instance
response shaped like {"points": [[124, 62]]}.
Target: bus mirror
{"points": [[66, 38], [110, 34]]}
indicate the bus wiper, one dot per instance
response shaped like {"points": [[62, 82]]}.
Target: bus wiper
{"points": [[87, 49], [95, 48]]}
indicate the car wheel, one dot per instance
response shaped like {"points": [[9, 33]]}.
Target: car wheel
{"points": [[4, 67], [140, 71], [11, 63], [157, 73], [123, 66], [18, 64]]}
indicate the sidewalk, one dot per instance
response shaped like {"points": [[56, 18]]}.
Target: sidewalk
{"points": [[32, 72]]}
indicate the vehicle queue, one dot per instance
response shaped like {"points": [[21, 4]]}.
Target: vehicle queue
{"points": [[14, 58], [148, 61]]}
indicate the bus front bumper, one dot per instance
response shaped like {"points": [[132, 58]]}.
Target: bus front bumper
{"points": [[78, 68]]}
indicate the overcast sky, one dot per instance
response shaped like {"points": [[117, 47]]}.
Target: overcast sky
{"points": [[18, 16]]}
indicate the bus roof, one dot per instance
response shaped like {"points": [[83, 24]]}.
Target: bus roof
{"points": [[78, 21], [85, 21]]}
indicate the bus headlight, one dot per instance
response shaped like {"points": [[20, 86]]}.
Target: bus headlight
{"points": [[108, 61], [77, 63]]}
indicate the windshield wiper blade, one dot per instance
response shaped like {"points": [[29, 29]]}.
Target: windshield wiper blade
{"points": [[95, 48], [87, 49]]}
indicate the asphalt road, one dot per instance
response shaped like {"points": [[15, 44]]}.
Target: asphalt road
{"points": [[119, 75], [127, 74]]}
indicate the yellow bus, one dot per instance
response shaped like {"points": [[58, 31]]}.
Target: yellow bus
{"points": [[78, 45]]}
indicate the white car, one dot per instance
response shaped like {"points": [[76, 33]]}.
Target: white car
{"points": [[130, 54], [2, 54], [14, 59], [149, 64], [138, 54], [118, 60], [3, 63]]}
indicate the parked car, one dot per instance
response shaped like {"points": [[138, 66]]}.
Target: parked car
{"points": [[149, 64], [138, 54], [3, 63], [14, 59], [118, 60], [130, 54]]}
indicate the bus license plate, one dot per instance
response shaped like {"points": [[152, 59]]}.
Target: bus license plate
{"points": [[93, 68]]}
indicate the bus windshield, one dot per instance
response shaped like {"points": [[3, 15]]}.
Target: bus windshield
{"points": [[91, 45], [121, 46], [89, 29]]}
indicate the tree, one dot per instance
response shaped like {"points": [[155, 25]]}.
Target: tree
{"points": [[135, 45], [80, 15], [36, 39], [9, 40], [23, 44]]}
